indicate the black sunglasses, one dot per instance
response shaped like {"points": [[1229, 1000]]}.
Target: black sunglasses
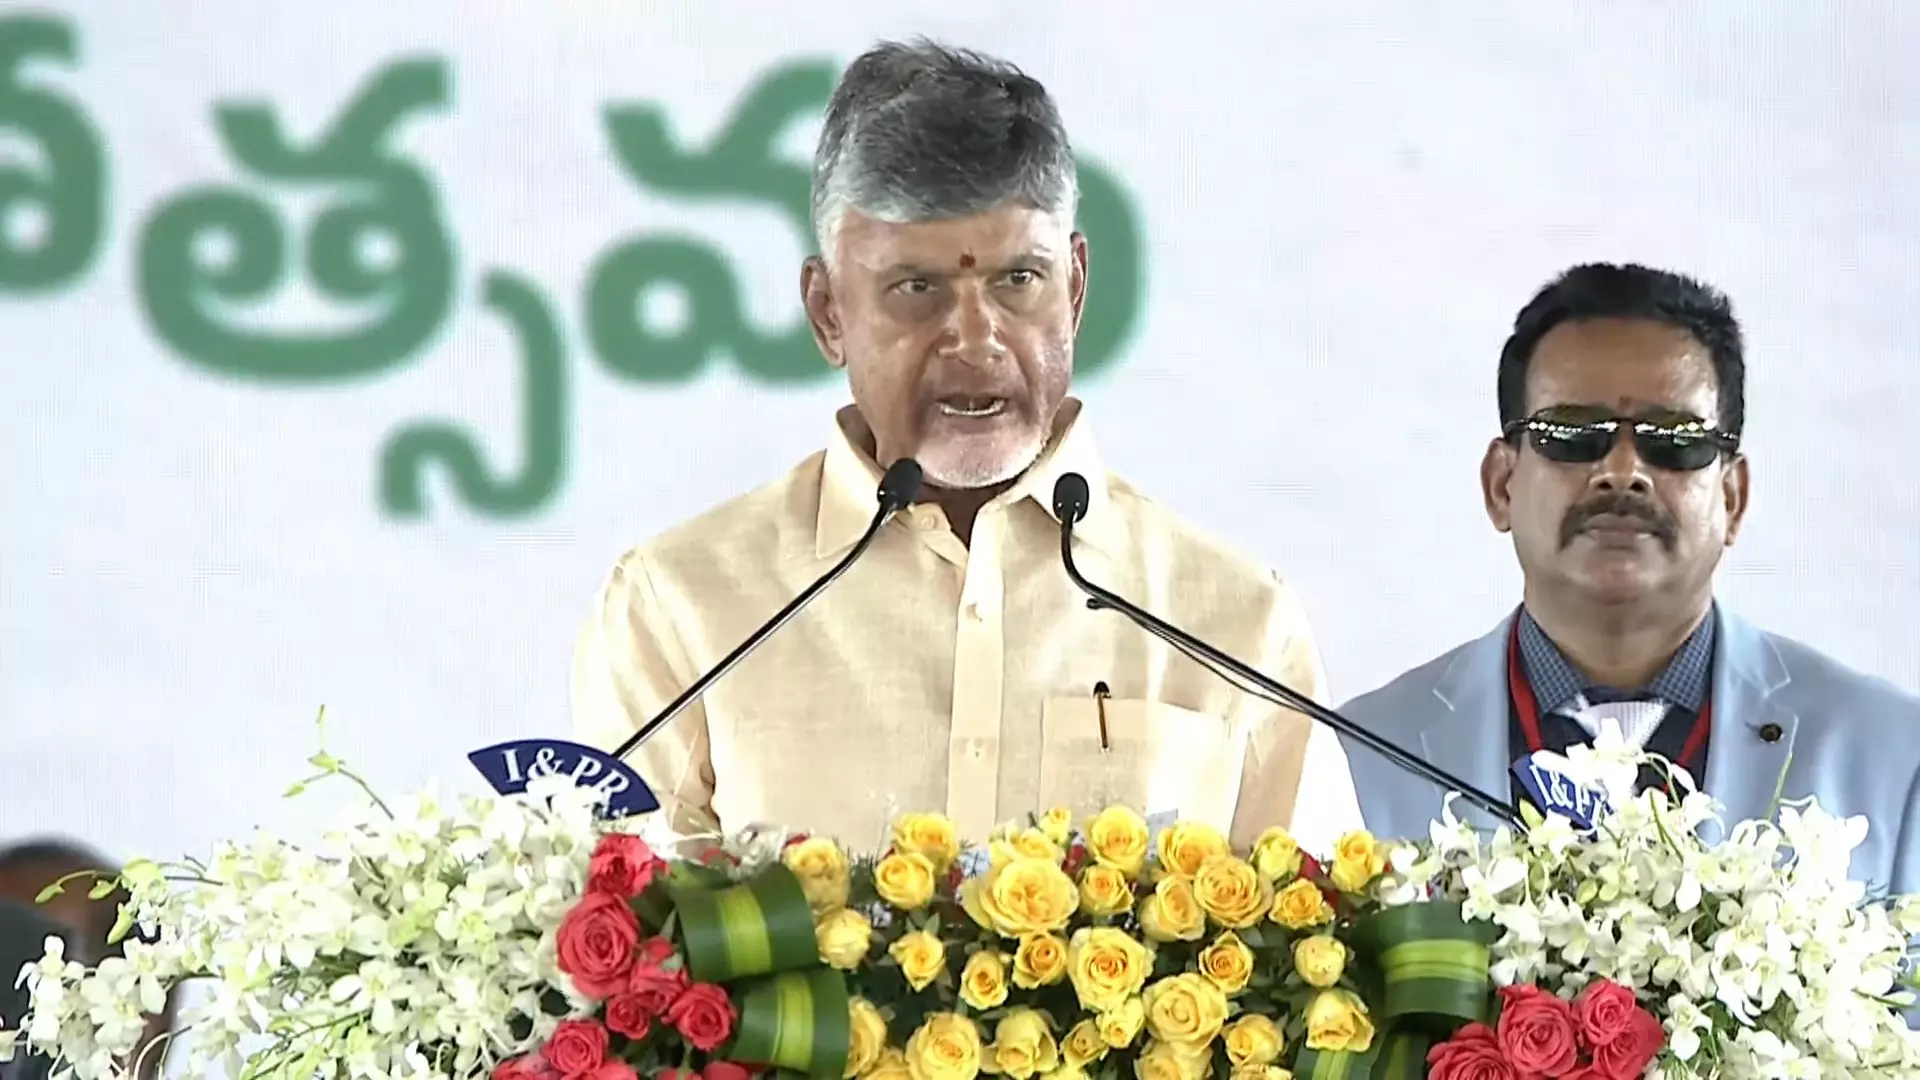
{"points": [[1676, 442]]}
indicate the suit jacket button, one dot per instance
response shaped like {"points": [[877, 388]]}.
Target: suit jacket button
{"points": [[1770, 733]]}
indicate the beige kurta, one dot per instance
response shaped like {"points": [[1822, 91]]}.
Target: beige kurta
{"points": [[938, 676]]}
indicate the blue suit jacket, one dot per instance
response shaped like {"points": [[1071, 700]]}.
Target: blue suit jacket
{"points": [[1850, 739]]}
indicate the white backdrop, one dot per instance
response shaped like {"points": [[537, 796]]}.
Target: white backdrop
{"points": [[1340, 214]]}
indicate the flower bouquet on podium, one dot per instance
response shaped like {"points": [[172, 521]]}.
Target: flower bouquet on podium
{"points": [[531, 935]]}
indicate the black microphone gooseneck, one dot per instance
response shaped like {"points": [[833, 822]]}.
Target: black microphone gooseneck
{"points": [[897, 488], [1070, 500]]}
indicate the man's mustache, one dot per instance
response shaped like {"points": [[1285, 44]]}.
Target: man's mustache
{"points": [[1619, 505]]}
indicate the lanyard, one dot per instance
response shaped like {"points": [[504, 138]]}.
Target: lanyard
{"points": [[1528, 709]]}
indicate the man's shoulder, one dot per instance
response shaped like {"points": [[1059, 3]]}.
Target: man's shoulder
{"points": [[1158, 531], [1830, 687], [1389, 698], [769, 523]]}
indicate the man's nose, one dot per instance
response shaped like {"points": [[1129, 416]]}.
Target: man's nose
{"points": [[975, 329], [1621, 470]]}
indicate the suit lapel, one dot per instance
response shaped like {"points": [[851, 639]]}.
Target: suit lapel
{"points": [[1469, 738], [1744, 769]]}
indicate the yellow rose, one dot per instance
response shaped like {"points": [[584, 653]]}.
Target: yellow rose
{"points": [[983, 982], [891, 1066], [822, 869], [1337, 1020], [1041, 960], [1023, 844], [866, 1037], [844, 936], [1083, 1045], [1120, 1025], [1300, 906], [1320, 959], [1172, 912], [1276, 854], [1025, 896], [905, 881], [1165, 1061], [1022, 1046], [947, 1047], [1259, 1072], [922, 958], [1107, 967], [1227, 963], [1232, 892], [1117, 837], [1057, 823], [932, 836], [1357, 860], [1253, 1040], [1104, 890], [1185, 1010], [1185, 845]]}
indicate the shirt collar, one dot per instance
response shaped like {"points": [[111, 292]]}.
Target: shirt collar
{"points": [[1556, 682], [851, 476]]}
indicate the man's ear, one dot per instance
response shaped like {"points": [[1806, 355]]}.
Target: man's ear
{"points": [[1735, 489], [1496, 480], [1077, 277], [823, 314]]}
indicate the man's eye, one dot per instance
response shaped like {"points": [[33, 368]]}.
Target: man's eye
{"points": [[913, 286], [1020, 279]]}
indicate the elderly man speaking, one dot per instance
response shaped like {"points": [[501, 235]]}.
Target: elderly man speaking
{"points": [[954, 669]]}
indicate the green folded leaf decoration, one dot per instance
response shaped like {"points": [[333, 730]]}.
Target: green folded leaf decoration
{"points": [[757, 940], [797, 1020], [761, 927], [1430, 968]]}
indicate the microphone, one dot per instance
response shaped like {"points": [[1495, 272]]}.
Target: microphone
{"points": [[1071, 498], [897, 489]]}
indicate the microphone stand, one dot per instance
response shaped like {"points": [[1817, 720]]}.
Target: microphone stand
{"points": [[897, 489], [1276, 692]]}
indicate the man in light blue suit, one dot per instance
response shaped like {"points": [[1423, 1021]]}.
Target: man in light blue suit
{"points": [[1619, 476]]}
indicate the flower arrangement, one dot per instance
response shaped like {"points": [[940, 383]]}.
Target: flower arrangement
{"points": [[518, 936], [526, 937], [1662, 943], [1108, 950]]}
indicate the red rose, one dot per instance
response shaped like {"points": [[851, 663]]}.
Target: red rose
{"points": [[1628, 1054], [1076, 858], [1472, 1054], [796, 838], [1537, 1031], [596, 943], [726, 1070], [622, 866], [703, 1016], [676, 1074], [529, 1067], [654, 952], [1605, 1010], [613, 1070], [577, 1047], [628, 1015], [656, 988]]}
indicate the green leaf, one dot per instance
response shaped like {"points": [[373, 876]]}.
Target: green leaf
{"points": [[102, 889], [1531, 814], [49, 892], [295, 790]]}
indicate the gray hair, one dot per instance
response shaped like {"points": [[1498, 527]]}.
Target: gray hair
{"points": [[921, 132]]}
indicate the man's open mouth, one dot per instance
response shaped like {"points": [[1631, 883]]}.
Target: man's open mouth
{"points": [[970, 406]]}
